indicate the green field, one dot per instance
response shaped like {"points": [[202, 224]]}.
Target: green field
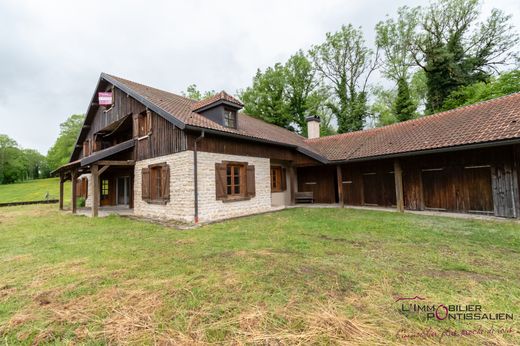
{"points": [[34, 190], [300, 276]]}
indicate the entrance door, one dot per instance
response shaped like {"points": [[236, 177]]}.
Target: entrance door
{"points": [[123, 190]]}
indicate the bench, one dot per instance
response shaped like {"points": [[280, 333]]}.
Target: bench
{"points": [[304, 197]]}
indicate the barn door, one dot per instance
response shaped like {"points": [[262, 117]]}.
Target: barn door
{"points": [[505, 191]]}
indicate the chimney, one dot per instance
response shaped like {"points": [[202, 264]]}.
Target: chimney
{"points": [[313, 126]]}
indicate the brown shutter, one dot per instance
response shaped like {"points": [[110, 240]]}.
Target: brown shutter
{"points": [[284, 179], [250, 177], [145, 184], [86, 188], [135, 118], [165, 182], [220, 180], [148, 122]]}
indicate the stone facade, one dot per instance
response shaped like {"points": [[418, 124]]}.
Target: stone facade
{"points": [[181, 204], [88, 201]]}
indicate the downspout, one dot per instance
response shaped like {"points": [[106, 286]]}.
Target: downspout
{"points": [[195, 177]]}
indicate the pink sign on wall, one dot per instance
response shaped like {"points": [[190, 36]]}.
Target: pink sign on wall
{"points": [[105, 98]]}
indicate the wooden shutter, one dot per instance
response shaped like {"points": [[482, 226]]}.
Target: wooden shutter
{"points": [[165, 182], [145, 184], [250, 178], [284, 179], [220, 180]]}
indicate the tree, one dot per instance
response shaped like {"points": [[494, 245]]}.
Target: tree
{"points": [[395, 38], [192, 92], [382, 108], [11, 161], [285, 94], [455, 50], [59, 154], [346, 63], [404, 107], [505, 84]]}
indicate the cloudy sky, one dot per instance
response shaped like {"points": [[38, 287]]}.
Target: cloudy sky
{"points": [[52, 52]]}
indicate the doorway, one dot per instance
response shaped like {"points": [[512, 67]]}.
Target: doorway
{"points": [[123, 191]]}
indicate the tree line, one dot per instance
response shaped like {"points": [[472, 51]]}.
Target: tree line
{"points": [[435, 58], [18, 164]]}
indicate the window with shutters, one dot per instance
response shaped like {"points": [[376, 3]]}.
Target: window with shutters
{"points": [[104, 189], [278, 179], [155, 185], [234, 181]]}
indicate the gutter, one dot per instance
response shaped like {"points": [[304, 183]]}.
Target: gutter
{"points": [[195, 178]]}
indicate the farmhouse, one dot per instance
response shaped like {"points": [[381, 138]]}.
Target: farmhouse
{"points": [[163, 155]]}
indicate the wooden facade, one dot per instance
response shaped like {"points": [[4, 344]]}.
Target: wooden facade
{"points": [[482, 181]]}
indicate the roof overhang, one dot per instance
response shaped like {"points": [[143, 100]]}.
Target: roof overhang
{"points": [[302, 150], [99, 155]]}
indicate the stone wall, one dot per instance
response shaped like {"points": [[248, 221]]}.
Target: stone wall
{"points": [[211, 209], [181, 204]]}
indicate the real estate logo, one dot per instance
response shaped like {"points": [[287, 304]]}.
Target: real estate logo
{"points": [[442, 312]]}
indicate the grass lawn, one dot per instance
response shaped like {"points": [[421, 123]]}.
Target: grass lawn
{"points": [[34, 190], [300, 276]]}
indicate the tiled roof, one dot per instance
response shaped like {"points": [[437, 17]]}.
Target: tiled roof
{"points": [[488, 121], [221, 96], [181, 108]]}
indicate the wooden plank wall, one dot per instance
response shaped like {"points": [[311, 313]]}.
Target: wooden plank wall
{"points": [[321, 180], [164, 139], [233, 146], [475, 181], [123, 106]]}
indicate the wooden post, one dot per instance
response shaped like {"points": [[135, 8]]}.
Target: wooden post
{"points": [[95, 190], [73, 176], [292, 183], [61, 190], [339, 175], [398, 176]]}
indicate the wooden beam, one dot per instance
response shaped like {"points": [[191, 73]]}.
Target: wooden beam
{"points": [[62, 181], [398, 176], [292, 183], [73, 176], [95, 190], [339, 175], [116, 163], [102, 169]]}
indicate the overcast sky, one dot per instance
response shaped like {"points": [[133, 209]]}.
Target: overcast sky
{"points": [[52, 52]]}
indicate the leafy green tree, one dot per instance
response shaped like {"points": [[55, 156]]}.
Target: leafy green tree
{"points": [[59, 154], [285, 94], [404, 107], [505, 84], [12, 167], [265, 99], [382, 108], [455, 49], [192, 92], [35, 164], [395, 39], [346, 63]]}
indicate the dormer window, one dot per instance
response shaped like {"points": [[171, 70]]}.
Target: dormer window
{"points": [[220, 108], [230, 118]]}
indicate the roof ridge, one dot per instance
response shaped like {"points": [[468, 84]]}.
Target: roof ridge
{"points": [[150, 87]]}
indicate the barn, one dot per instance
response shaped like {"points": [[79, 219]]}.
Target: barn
{"points": [[162, 155]]}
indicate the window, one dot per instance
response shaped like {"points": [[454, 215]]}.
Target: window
{"points": [[234, 181], [143, 124], [104, 189], [230, 118], [234, 175], [155, 183], [278, 179]]}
